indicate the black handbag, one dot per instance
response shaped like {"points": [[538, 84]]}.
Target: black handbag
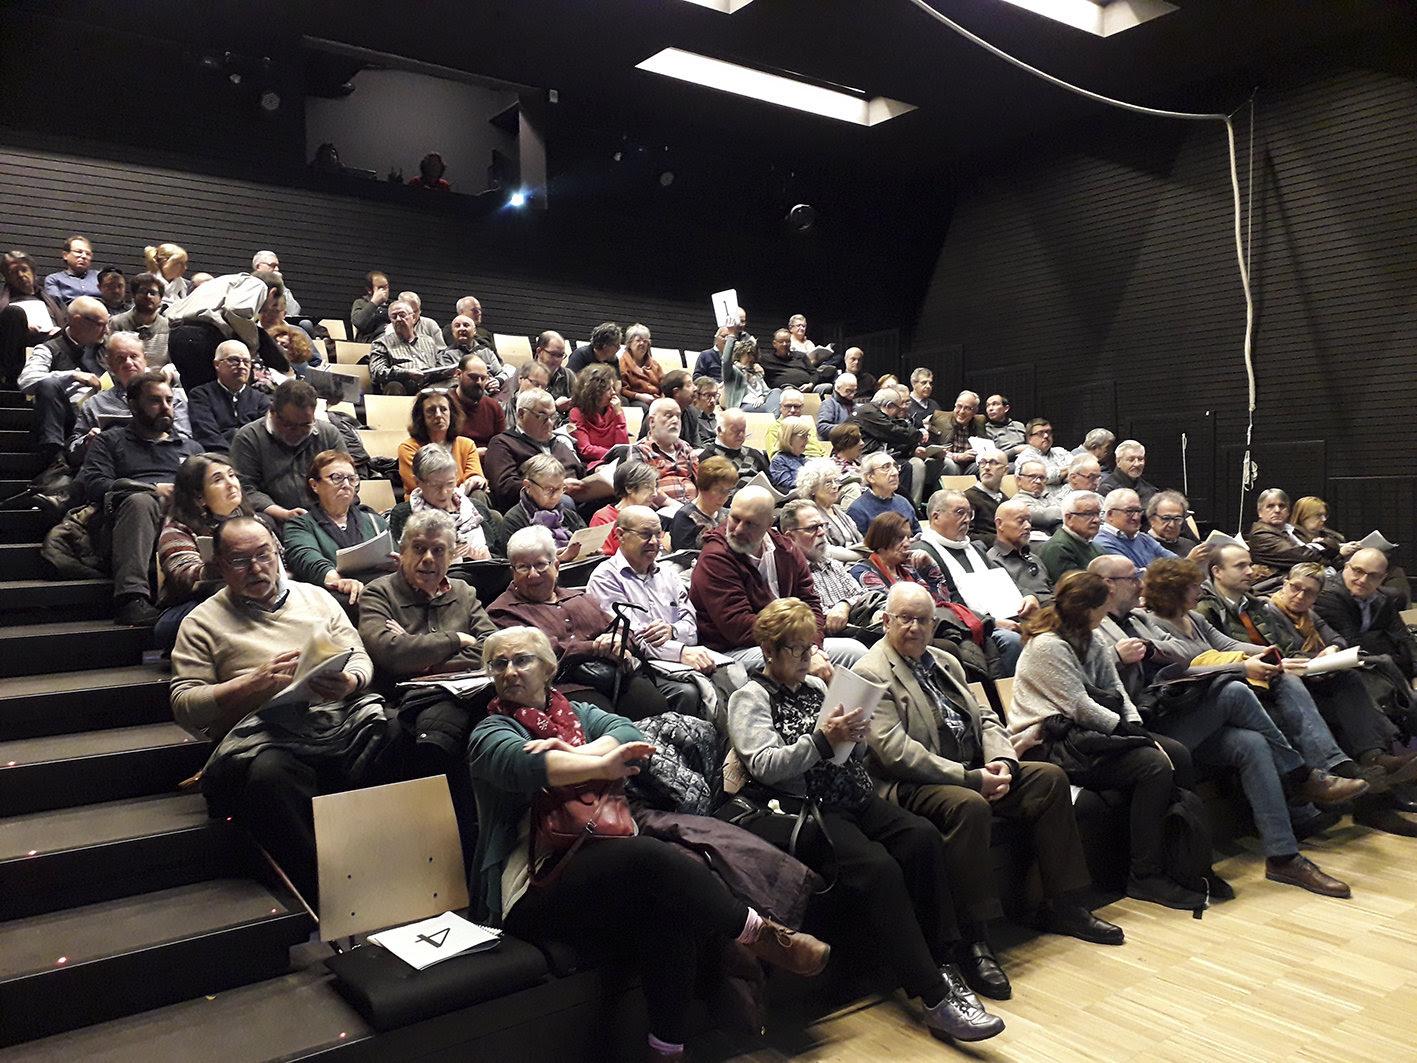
{"points": [[743, 810]]}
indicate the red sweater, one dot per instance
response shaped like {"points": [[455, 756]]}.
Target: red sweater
{"points": [[596, 435], [482, 421], [728, 591]]}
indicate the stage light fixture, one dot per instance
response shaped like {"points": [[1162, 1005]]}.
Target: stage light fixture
{"points": [[517, 199]]}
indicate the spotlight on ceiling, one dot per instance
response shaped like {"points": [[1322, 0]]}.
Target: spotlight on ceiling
{"points": [[666, 178], [801, 217], [517, 199]]}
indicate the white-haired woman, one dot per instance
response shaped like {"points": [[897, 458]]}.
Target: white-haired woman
{"points": [[635, 897], [820, 482], [435, 476]]}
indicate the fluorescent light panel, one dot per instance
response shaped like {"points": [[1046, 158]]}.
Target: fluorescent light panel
{"points": [[1101, 18], [726, 6], [773, 88]]}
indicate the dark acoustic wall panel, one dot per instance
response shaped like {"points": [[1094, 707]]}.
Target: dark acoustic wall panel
{"points": [[1014, 382], [1180, 452], [1105, 254], [1383, 503]]}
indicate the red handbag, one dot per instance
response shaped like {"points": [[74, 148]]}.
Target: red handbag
{"points": [[563, 818]]}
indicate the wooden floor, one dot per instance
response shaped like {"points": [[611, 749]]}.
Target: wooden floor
{"points": [[1276, 974]]}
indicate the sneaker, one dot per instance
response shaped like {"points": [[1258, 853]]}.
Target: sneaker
{"points": [[1158, 889], [136, 612], [790, 949], [960, 1016]]}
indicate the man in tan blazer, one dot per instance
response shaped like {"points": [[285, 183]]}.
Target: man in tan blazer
{"points": [[937, 752]]}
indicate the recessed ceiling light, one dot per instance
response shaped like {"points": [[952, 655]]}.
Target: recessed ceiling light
{"points": [[726, 6], [1100, 17], [773, 88]]}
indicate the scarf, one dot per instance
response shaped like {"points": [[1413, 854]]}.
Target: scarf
{"points": [[554, 520], [1303, 623], [466, 520], [558, 720]]}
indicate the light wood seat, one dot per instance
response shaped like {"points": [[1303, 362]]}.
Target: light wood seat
{"points": [[382, 444], [1195, 531], [634, 417], [811, 403], [377, 494], [757, 429], [667, 357], [359, 372], [1010, 486], [957, 483], [348, 352], [388, 413], [514, 350], [334, 327]]}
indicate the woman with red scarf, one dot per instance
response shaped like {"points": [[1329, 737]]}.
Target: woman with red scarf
{"points": [[635, 897]]}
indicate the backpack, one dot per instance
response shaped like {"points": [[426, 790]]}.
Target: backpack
{"points": [[1186, 845], [69, 546]]}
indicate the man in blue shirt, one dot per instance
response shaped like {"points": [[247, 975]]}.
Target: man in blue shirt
{"points": [[78, 276], [1121, 530], [710, 362], [881, 475]]}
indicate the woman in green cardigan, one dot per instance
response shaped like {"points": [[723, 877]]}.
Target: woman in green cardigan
{"points": [[339, 521]]}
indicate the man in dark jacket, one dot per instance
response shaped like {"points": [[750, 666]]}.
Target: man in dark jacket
{"points": [[729, 443], [221, 406], [535, 433], [745, 565], [129, 470], [1363, 615], [785, 368], [884, 427]]}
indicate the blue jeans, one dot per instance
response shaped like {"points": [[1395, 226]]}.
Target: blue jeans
{"points": [[1292, 707], [165, 630], [1010, 644], [1231, 729]]}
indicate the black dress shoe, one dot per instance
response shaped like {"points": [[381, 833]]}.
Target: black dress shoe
{"points": [[1387, 820], [1077, 922], [1317, 824], [981, 969], [1220, 890], [1158, 889], [1402, 799]]}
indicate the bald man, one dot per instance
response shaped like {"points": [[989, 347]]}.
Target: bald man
{"points": [[223, 405], [743, 566], [64, 371], [1013, 552], [1363, 615]]}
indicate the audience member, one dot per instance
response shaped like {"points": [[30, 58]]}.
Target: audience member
{"points": [[169, 262], [1007, 435], [1225, 727], [1355, 607], [885, 430], [639, 372], [337, 521], [954, 765], [369, 315], [635, 484], [785, 368], [273, 455], [921, 407], [854, 359], [679, 386], [745, 386], [535, 433], [710, 362], [1275, 545], [881, 475], [236, 651], [705, 411], [596, 419], [463, 339], [222, 406], [578, 630], [742, 567], [27, 316], [549, 349], [729, 443], [532, 737], [604, 347], [145, 319], [430, 174], [543, 504], [480, 416], [790, 406], [847, 446], [1098, 443], [715, 481], [478, 530], [78, 277], [403, 358], [672, 458], [1121, 530], [113, 290], [1166, 515], [837, 589], [987, 495], [954, 431], [1040, 448], [295, 344], [1084, 474], [128, 473], [891, 866], [837, 407], [435, 419], [1031, 475], [269, 262], [123, 355], [1071, 546], [1013, 552], [894, 557], [235, 306], [792, 456], [421, 324], [1131, 463], [62, 372], [1310, 519], [819, 482], [416, 621]]}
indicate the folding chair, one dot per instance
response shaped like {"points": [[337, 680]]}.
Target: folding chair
{"points": [[382, 444], [388, 413], [348, 352], [334, 327], [514, 350], [378, 495]]}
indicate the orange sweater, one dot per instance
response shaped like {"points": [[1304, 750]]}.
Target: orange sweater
{"points": [[464, 454], [636, 379]]}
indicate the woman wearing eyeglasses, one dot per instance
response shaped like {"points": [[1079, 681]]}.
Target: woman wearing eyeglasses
{"points": [[435, 477], [336, 522], [820, 482], [437, 419], [890, 865], [639, 372]]}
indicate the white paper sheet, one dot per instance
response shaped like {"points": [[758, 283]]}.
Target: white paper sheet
{"points": [[1341, 661], [591, 539], [761, 480], [850, 690], [430, 941], [992, 591], [37, 314], [1375, 540], [370, 554], [319, 656]]}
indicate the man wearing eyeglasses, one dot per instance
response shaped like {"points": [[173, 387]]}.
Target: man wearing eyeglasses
{"points": [[884, 427], [1040, 448], [1071, 546], [64, 371], [272, 456], [221, 406], [535, 433], [233, 655], [1166, 514], [124, 358], [1031, 475], [404, 358], [838, 589], [1355, 606], [1121, 531]]}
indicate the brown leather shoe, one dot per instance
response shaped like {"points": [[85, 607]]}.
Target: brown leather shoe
{"points": [[1324, 789], [1387, 820], [790, 949], [1300, 871], [1400, 768]]}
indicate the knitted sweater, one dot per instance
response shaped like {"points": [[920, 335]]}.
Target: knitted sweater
{"points": [[464, 452], [1049, 681]]}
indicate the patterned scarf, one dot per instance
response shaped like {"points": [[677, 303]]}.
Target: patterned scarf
{"points": [[558, 720], [553, 520], [466, 520], [1303, 623]]}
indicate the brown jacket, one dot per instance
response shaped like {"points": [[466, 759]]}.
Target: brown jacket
{"points": [[431, 642]]}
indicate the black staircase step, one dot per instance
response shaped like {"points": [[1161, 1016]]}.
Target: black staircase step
{"points": [[11, 488], [23, 525], [16, 417], [12, 398], [68, 857], [62, 771], [65, 702], [291, 1017], [23, 463], [51, 600], [14, 439], [31, 649], [63, 970], [21, 560]]}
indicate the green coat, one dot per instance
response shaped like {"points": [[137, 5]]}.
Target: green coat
{"points": [[1064, 553], [310, 552]]}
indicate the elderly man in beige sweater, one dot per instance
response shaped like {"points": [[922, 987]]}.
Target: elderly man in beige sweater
{"points": [[235, 653]]}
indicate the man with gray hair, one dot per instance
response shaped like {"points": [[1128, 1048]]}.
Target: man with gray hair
{"points": [[837, 407], [125, 358], [1071, 546], [729, 442], [1131, 463], [1166, 514], [1084, 474], [742, 567], [922, 406], [1043, 510], [269, 262], [881, 475], [954, 430], [469, 306], [802, 522], [1098, 443], [425, 325], [790, 406], [670, 456], [1121, 531], [403, 359], [884, 428], [221, 407], [534, 433]]}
